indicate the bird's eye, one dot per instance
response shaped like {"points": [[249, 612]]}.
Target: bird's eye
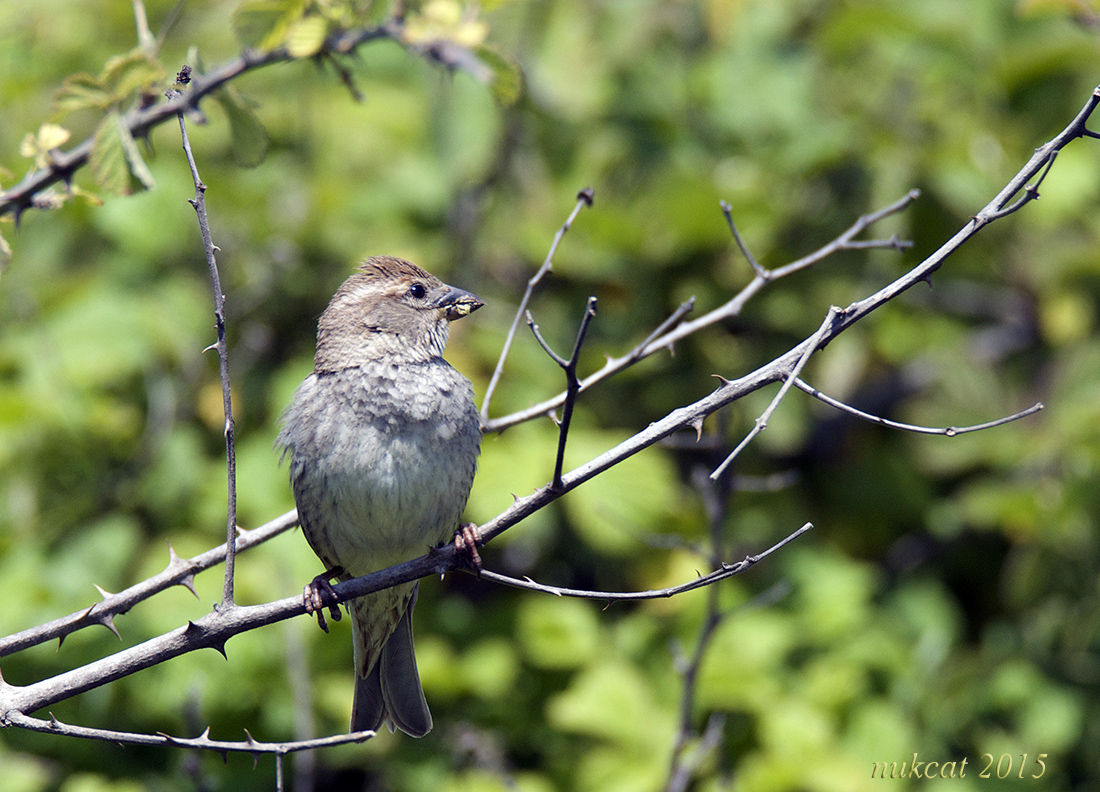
{"points": [[417, 291]]}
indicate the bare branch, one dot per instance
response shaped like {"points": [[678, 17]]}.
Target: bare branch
{"points": [[947, 431], [199, 205], [723, 572], [666, 339], [203, 741], [584, 198]]}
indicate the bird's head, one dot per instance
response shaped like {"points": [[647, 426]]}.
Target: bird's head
{"points": [[390, 308]]}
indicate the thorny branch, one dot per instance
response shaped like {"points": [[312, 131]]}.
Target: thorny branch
{"points": [[215, 628], [179, 572], [199, 205], [223, 747]]}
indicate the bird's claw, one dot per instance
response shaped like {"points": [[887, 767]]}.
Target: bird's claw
{"points": [[319, 594], [467, 540]]}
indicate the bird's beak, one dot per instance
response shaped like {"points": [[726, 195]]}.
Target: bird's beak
{"points": [[457, 303]]}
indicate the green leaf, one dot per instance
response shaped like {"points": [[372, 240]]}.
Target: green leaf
{"points": [[80, 91], [116, 163], [127, 73], [249, 139], [506, 83], [263, 24], [306, 36]]}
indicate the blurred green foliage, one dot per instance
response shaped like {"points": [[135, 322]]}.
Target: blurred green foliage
{"points": [[946, 603]]}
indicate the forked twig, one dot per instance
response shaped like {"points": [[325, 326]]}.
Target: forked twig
{"points": [[572, 383], [584, 198], [761, 423]]}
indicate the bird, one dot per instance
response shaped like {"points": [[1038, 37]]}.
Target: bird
{"points": [[383, 438]]}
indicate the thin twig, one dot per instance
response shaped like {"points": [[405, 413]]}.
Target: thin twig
{"points": [[199, 204], [846, 242], [727, 212], [761, 423], [572, 383], [584, 198], [946, 431], [724, 571]]}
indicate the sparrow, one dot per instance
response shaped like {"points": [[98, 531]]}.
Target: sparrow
{"points": [[383, 439]]}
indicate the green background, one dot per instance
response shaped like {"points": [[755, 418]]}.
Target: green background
{"points": [[945, 604]]}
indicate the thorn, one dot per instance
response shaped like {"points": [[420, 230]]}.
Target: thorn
{"points": [[205, 734], [188, 582], [250, 740], [102, 592], [108, 621], [221, 649], [697, 425], [212, 346], [191, 629], [722, 379], [54, 722], [173, 559], [60, 640]]}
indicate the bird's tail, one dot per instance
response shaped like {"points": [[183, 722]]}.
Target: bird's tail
{"points": [[387, 686]]}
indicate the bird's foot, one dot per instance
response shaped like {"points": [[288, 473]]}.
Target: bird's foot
{"points": [[467, 540], [319, 594]]}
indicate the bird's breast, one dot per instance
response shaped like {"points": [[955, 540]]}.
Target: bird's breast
{"points": [[381, 461]]}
